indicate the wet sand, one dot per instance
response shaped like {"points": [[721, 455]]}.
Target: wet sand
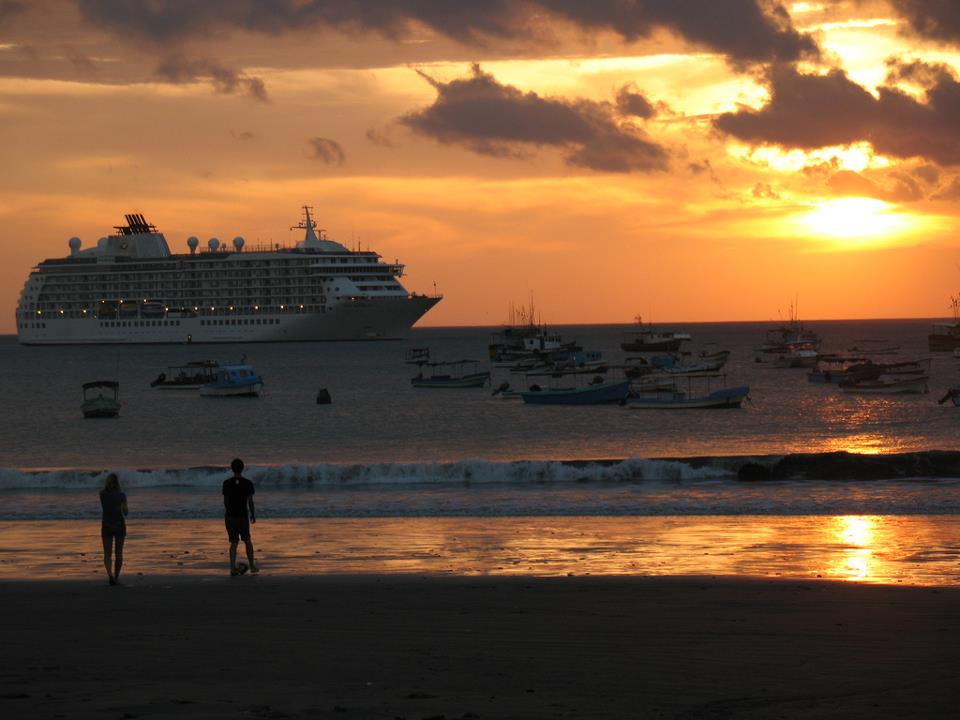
{"points": [[405, 646], [885, 549]]}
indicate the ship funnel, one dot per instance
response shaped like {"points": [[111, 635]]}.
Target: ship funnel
{"points": [[192, 242], [213, 244], [238, 243], [74, 244]]}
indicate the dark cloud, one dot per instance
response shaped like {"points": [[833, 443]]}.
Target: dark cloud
{"points": [[813, 111], [243, 135], [934, 19], [489, 118], [630, 102], [224, 80], [745, 31], [327, 151]]}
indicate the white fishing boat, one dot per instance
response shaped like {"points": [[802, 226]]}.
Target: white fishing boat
{"points": [[790, 345]]}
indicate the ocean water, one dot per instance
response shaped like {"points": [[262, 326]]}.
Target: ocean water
{"points": [[601, 489], [384, 448]]}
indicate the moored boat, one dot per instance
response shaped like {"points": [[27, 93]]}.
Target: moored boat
{"points": [[646, 339], [692, 391], [234, 380], [101, 399], [572, 388], [835, 369], [912, 385], [679, 400], [445, 374], [187, 377]]}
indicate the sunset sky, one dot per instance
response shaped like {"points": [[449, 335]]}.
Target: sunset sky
{"points": [[683, 159]]}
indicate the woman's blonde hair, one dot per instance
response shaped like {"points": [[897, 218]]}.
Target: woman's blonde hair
{"points": [[111, 482]]}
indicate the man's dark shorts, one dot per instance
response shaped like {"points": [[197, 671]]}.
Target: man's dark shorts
{"points": [[238, 528]]}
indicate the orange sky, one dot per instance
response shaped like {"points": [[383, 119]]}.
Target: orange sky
{"points": [[709, 161]]}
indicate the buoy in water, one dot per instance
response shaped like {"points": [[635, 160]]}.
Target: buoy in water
{"points": [[323, 397]]}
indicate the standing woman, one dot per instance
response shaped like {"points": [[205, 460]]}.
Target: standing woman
{"points": [[113, 527]]}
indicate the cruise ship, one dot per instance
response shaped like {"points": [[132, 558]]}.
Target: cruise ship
{"points": [[130, 288]]}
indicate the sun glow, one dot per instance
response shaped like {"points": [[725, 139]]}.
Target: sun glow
{"points": [[856, 157], [857, 218]]}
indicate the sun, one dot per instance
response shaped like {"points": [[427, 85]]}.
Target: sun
{"points": [[855, 219]]}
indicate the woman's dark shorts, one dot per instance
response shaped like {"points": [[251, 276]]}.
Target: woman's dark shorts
{"points": [[238, 528], [113, 530]]}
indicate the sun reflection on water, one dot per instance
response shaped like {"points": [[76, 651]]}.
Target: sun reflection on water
{"points": [[857, 537]]}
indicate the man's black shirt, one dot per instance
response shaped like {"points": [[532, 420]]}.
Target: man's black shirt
{"points": [[236, 490]]}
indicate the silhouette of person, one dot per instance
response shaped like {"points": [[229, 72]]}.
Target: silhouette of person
{"points": [[239, 515], [113, 526]]}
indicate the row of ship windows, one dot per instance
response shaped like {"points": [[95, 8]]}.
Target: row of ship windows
{"points": [[32, 326], [304, 271], [255, 321], [139, 323]]}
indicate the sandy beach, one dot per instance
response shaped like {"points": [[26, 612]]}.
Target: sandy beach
{"points": [[392, 646]]}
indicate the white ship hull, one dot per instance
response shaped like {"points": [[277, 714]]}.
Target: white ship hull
{"points": [[379, 318]]}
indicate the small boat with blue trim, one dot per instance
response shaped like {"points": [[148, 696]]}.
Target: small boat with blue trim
{"points": [[598, 390], [234, 380]]}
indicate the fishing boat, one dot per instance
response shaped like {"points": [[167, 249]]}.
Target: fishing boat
{"points": [[867, 346], [445, 374], [101, 399], [572, 387], [885, 386], [835, 369], [791, 344], [234, 380], [646, 339], [946, 335], [524, 337], [796, 357], [680, 365], [187, 377], [690, 392], [908, 367]]}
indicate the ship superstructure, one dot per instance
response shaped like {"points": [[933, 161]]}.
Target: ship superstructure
{"points": [[130, 288]]}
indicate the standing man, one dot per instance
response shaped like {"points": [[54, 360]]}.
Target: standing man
{"points": [[237, 500]]}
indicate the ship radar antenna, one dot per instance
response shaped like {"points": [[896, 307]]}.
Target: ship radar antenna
{"points": [[308, 225]]}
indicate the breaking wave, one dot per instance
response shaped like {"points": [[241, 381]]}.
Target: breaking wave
{"points": [[464, 472]]}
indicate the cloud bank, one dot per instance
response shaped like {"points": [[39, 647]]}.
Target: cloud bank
{"points": [[490, 118], [814, 111], [745, 31]]}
